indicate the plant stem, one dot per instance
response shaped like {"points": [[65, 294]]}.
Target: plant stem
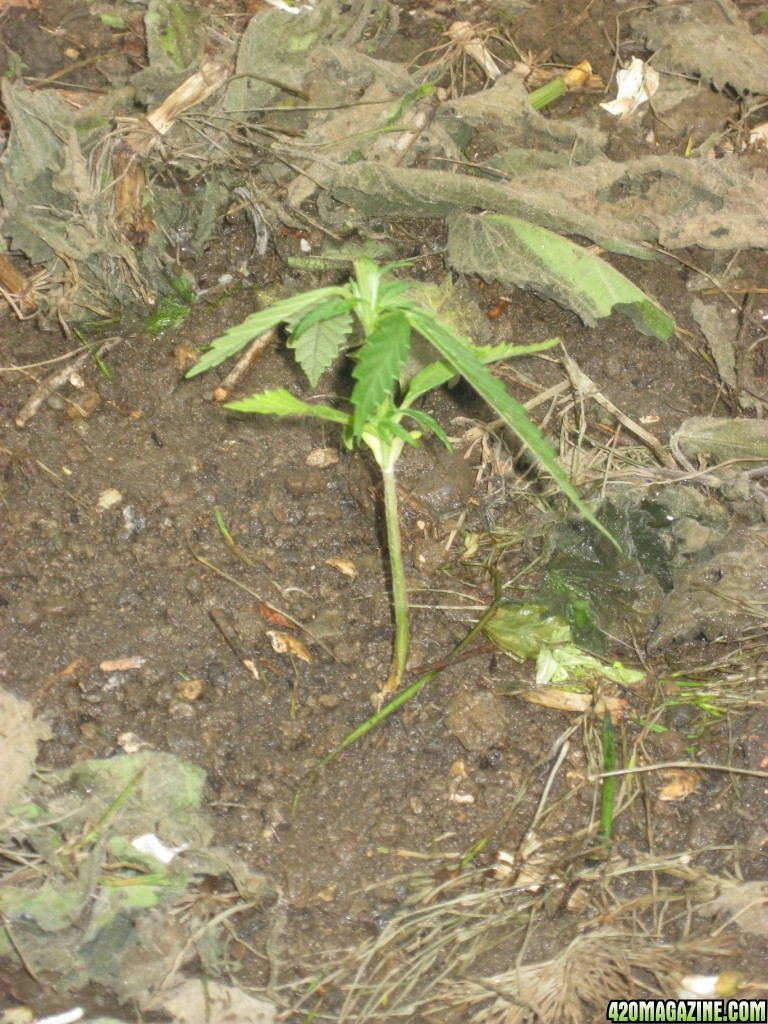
{"points": [[426, 677], [547, 93], [399, 589]]}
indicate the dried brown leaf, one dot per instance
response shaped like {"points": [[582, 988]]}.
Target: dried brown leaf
{"points": [[284, 643]]}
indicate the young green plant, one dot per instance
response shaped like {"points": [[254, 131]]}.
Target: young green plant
{"points": [[382, 416]]}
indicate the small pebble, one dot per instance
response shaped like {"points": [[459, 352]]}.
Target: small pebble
{"points": [[27, 613]]}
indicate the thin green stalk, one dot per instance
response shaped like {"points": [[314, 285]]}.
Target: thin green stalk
{"points": [[403, 696], [115, 806], [99, 362], [608, 793], [399, 587]]}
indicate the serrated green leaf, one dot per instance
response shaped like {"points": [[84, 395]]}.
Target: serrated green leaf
{"points": [[325, 311], [458, 353], [377, 368], [440, 372], [257, 323], [282, 403], [517, 252], [317, 340]]}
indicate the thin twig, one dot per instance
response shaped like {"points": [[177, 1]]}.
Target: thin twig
{"points": [[254, 351], [193, 938], [248, 590], [56, 380], [46, 362], [664, 765], [588, 389]]}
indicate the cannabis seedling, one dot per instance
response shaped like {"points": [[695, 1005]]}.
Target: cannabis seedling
{"points": [[320, 324]]}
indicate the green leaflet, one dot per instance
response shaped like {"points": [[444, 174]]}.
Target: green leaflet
{"points": [[282, 403], [374, 294], [377, 368], [257, 323], [456, 351], [436, 374], [317, 339], [429, 425]]}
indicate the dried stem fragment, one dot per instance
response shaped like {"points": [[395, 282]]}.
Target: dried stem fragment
{"points": [[243, 364], [130, 200], [55, 381], [16, 289]]}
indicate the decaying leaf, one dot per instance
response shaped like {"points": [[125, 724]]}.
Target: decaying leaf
{"points": [[707, 40], [744, 903], [284, 643], [679, 785], [274, 618], [196, 1000], [573, 702], [19, 735], [721, 332], [516, 252], [722, 439], [129, 167], [344, 566]]}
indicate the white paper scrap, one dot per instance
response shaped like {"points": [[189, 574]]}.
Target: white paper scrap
{"points": [[281, 5], [68, 1017], [636, 84], [151, 845]]}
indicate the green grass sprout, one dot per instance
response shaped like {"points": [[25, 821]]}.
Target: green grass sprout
{"points": [[608, 790], [94, 354]]}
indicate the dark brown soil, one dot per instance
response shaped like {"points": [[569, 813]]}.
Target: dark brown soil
{"points": [[83, 581]]}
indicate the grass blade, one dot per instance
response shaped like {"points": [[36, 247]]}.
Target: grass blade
{"points": [[608, 792]]}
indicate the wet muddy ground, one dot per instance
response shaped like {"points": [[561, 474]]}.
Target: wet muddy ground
{"points": [[110, 549]]}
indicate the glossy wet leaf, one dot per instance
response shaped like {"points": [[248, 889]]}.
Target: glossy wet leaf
{"points": [[522, 629]]}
